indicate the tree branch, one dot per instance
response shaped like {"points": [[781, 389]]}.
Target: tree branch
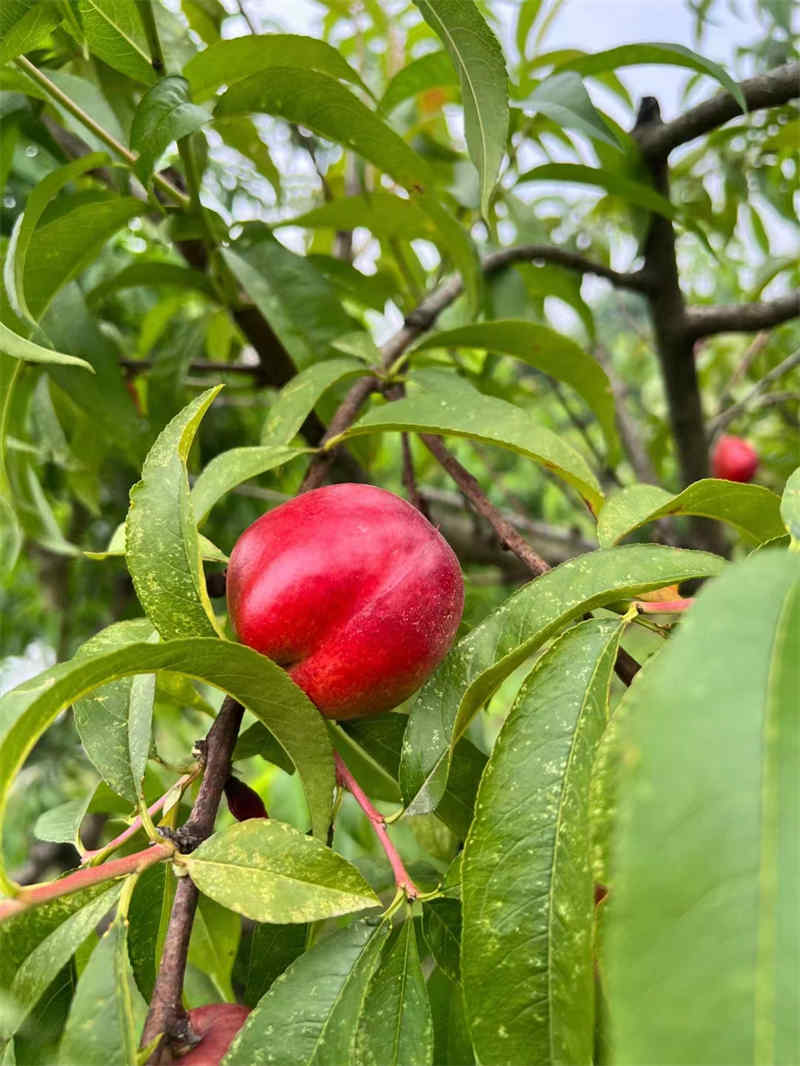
{"points": [[421, 319], [625, 666], [470, 486], [167, 1015], [741, 318], [772, 89]]}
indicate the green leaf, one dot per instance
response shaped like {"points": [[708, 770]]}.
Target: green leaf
{"points": [[102, 396], [325, 106], [231, 61], [270, 949], [24, 25], [61, 824], [428, 72], [209, 552], [10, 529], [502, 641], [712, 865], [315, 1005], [107, 1012], [676, 55], [451, 1041], [442, 403], [751, 509], [564, 99], [546, 350], [299, 397], [231, 468], [144, 915], [392, 218], [212, 948], [256, 740], [115, 33], [37, 958], [165, 114], [441, 927], [25, 226], [62, 249], [161, 543], [302, 307], [271, 872], [634, 192], [396, 1025], [527, 891], [151, 273], [19, 348], [252, 679], [478, 58], [790, 507]]}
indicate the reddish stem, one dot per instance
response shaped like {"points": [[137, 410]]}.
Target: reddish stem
{"points": [[92, 875], [401, 876], [136, 824], [664, 606]]}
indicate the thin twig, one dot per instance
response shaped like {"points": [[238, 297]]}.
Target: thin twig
{"points": [[754, 348], [378, 822], [724, 417], [409, 477], [167, 1015], [136, 824], [92, 875], [626, 666], [471, 488], [86, 120]]}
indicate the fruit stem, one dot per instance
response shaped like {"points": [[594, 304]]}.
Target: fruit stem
{"points": [[401, 876], [93, 857]]}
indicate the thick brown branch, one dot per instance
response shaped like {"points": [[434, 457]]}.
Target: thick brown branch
{"points": [[772, 89], [742, 318], [166, 1013]]}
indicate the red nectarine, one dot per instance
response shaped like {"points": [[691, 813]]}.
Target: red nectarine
{"points": [[734, 459], [352, 590], [216, 1024]]}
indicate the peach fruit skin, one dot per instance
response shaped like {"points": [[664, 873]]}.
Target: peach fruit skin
{"points": [[216, 1024], [734, 459], [352, 590]]}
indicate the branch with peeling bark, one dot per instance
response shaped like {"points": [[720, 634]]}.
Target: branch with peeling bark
{"points": [[166, 1014], [741, 318], [772, 89]]}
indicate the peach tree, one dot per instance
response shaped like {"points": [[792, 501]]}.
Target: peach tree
{"points": [[278, 800]]}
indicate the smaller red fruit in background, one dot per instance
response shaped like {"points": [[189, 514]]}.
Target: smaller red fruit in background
{"points": [[243, 801], [734, 459], [350, 589], [216, 1024]]}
